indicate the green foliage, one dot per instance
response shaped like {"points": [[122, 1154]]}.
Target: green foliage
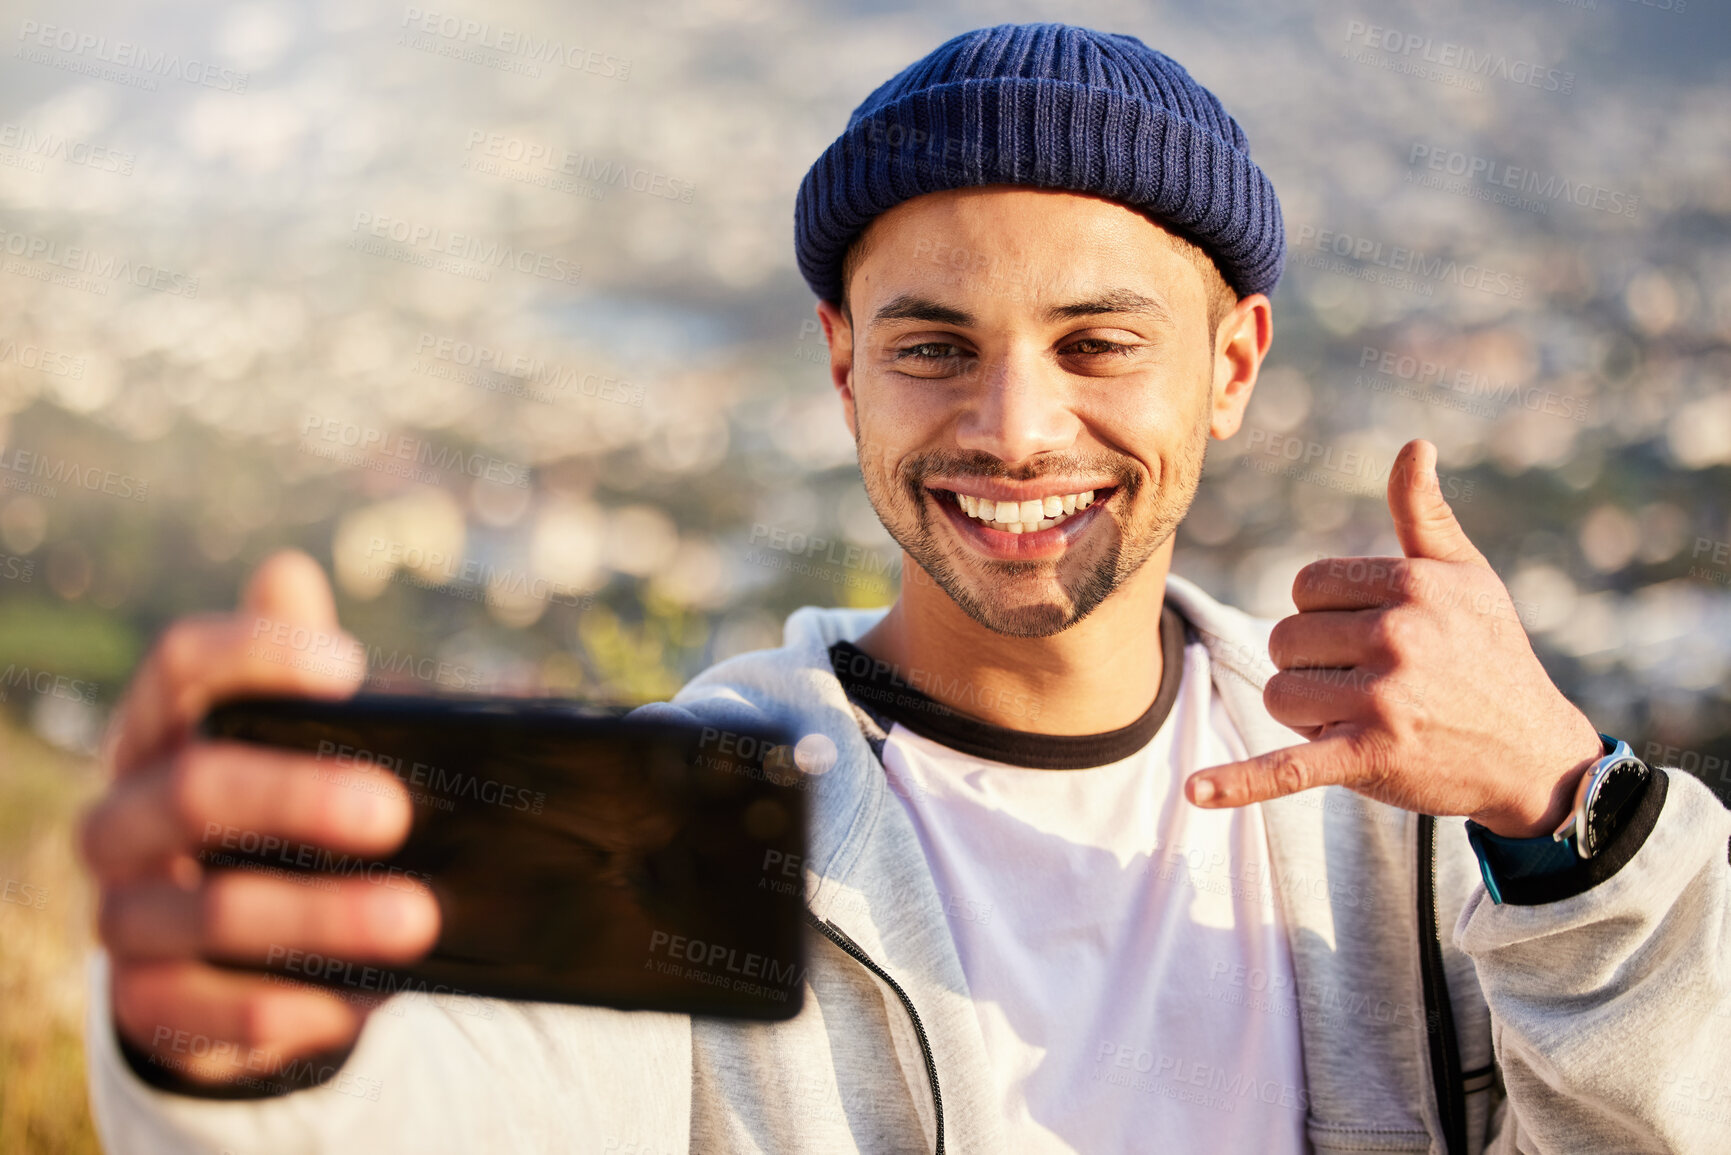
{"points": [[78, 641]]}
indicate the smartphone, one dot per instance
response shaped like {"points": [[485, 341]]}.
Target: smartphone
{"points": [[577, 855]]}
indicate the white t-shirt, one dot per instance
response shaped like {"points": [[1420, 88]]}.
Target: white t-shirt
{"points": [[1120, 944]]}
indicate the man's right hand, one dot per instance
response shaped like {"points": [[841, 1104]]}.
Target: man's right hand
{"points": [[173, 796]]}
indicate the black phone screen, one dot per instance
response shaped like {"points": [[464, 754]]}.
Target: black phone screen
{"points": [[576, 855]]}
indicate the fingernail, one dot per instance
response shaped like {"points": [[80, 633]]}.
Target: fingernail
{"points": [[1203, 791]]}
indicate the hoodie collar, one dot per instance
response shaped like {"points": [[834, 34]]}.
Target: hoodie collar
{"points": [[796, 686]]}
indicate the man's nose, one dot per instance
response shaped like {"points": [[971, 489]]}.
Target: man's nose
{"points": [[1017, 411]]}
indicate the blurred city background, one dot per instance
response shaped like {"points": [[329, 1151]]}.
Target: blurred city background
{"points": [[493, 310]]}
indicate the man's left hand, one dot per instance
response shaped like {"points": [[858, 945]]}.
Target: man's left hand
{"points": [[1415, 683]]}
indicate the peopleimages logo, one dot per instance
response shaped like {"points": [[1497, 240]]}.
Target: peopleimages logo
{"points": [[1498, 176], [87, 53], [716, 964], [336, 653], [461, 33], [77, 259], [445, 784], [1718, 567], [1463, 389], [1399, 260], [1448, 54], [50, 361], [365, 441], [433, 569], [47, 684], [584, 167], [1334, 467], [21, 893], [541, 381], [66, 149], [438, 242], [42, 475]]}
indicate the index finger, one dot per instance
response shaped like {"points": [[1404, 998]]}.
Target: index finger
{"points": [[1328, 761], [1351, 583], [285, 640], [225, 790]]}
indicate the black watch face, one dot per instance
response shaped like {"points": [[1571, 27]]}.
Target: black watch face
{"points": [[1615, 793]]}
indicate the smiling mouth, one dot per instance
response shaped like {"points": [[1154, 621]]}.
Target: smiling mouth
{"points": [[1028, 516]]}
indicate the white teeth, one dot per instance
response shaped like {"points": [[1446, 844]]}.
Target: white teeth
{"points": [[1028, 516]]}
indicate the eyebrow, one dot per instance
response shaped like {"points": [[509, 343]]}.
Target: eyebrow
{"points": [[1112, 301], [910, 307]]}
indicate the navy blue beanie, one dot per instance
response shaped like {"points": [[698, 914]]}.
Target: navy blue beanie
{"points": [[1047, 106]]}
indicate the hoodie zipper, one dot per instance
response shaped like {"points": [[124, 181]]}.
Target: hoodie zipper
{"points": [[1445, 1059], [834, 933]]}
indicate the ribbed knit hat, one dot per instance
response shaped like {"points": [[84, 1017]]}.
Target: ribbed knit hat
{"points": [[1048, 106]]}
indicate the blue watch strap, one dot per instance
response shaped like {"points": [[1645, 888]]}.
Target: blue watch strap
{"points": [[1530, 871], [1506, 859]]}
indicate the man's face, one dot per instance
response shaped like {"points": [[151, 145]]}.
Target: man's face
{"points": [[1031, 384]]}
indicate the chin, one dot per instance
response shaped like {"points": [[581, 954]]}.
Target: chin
{"points": [[1040, 613], [1034, 621]]}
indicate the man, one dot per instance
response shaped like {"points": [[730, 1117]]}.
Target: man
{"points": [[1098, 863]]}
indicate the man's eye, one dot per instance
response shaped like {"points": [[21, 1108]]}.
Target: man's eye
{"points": [[931, 351], [1094, 346]]}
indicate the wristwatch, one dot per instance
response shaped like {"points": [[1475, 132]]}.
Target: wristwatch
{"points": [[1604, 793], [1604, 799]]}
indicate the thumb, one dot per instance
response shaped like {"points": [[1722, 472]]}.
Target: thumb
{"points": [[289, 586], [1423, 520], [204, 659], [291, 593]]}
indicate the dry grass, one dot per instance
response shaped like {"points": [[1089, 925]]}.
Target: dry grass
{"points": [[44, 941]]}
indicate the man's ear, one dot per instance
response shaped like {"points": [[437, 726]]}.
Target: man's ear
{"points": [[838, 331], [1240, 344]]}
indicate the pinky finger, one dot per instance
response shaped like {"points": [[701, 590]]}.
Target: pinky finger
{"points": [[215, 1028]]}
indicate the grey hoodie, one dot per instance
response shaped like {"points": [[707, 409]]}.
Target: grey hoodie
{"points": [[1597, 1023]]}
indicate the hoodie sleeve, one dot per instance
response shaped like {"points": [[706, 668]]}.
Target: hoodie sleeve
{"points": [[1611, 1008], [429, 1075], [447, 1074]]}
